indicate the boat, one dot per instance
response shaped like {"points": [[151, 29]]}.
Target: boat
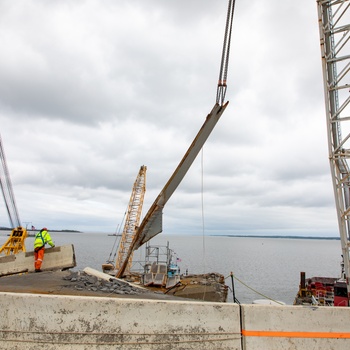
{"points": [[160, 273], [322, 291]]}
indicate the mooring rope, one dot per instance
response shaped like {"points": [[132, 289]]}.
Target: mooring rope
{"points": [[252, 289]]}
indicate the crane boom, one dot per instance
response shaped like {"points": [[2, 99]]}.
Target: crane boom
{"points": [[334, 29], [132, 219]]}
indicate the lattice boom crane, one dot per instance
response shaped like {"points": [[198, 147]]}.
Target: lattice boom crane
{"points": [[334, 28], [132, 221]]}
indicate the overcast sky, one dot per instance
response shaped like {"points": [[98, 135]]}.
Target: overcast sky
{"points": [[91, 90]]}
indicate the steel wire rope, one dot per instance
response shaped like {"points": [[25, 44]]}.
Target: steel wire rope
{"points": [[5, 186], [222, 82], [9, 185], [252, 289], [203, 220], [220, 97], [6, 202], [230, 15], [115, 241]]}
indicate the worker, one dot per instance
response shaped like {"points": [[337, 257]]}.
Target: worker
{"points": [[41, 238]]}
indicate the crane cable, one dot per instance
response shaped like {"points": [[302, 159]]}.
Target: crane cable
{"points": [[115, 246], [222, 85], [7, 191], [220, 98]]}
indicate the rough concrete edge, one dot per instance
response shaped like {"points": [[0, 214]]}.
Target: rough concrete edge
{"points": [[123, 300]]}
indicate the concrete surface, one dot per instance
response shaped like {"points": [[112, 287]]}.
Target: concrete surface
{"points": [[58, 283]]}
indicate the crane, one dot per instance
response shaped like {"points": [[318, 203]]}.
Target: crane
{"points": [[132, 221], [15, 243], [334, 30], [151, 224]]}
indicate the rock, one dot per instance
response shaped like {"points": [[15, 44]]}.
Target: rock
{"points": [[93, 283]]}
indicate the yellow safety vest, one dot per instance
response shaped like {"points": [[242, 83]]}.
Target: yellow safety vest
{"points": [[41, 238]]}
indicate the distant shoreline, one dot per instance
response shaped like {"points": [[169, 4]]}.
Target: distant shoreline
{"points": [[232, 236], [288, 237], [10, 229]]}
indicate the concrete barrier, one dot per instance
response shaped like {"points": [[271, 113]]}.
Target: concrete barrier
{"points": [[61, 257], [295, 327], [37, 321], [64, 322]]}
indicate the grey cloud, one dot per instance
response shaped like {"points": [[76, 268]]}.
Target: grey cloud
{"points": [[89, 92]]}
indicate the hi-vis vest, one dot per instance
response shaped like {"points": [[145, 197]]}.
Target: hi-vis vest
{"points": [[41, 238]]}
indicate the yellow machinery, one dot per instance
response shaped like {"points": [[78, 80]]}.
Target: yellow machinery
{"points": [[132, 222], [15, 243]]}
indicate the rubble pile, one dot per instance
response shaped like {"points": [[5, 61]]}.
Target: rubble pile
{"points": [[83, 281]]}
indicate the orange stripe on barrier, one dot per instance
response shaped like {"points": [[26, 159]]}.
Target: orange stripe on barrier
{"points": [[282, 334]]}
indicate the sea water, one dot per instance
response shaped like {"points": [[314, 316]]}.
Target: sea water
{"points": [[261, 267]]}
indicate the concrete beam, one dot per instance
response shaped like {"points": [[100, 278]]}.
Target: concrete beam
{"points": [[57, 258]]}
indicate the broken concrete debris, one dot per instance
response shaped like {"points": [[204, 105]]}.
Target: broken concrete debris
{"points": [[83, 281]]}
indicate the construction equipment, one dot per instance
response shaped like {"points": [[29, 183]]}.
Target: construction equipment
{"points": [[132, 222], [334, 28], [18, 235], [15, 242], [152, 223]]}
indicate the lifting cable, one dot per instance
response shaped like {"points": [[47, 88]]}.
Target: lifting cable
{"points": [[7, 191], [220, 97], [222, 85], [115, 246]]}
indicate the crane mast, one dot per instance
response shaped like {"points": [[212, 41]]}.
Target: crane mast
{"points": [[132, 219], [334, 29]]}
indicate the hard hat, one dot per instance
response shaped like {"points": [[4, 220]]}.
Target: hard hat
{"points": [[44, 229]]}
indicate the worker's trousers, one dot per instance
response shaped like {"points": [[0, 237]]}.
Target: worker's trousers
{"points": [[39, 257]]}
